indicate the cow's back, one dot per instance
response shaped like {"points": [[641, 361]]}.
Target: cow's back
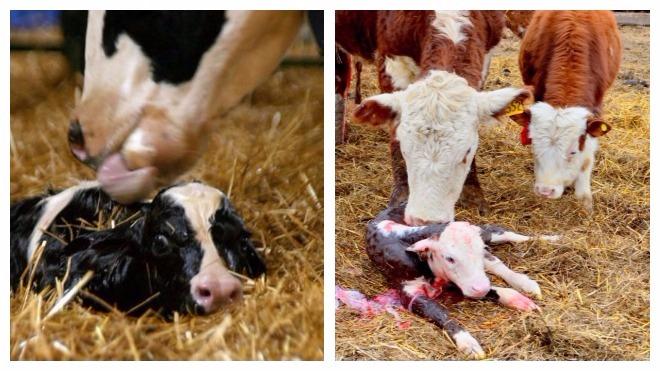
{"points": [[571, 57]]}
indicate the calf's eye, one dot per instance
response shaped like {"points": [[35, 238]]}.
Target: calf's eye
{"points": [[450, 260]]}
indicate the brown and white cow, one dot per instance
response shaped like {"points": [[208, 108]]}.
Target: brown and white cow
{"points": [[437, 62], [154, 81], [570, 58]]}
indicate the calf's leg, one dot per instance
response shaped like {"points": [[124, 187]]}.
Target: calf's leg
{"points": [[518, 281], [437, 314]]}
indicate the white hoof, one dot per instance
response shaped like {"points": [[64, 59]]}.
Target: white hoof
{"points": [[527, 285], [468, 345]]}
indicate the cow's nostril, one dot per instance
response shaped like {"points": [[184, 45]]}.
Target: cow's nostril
{"points": [[204, 292], [77, 141]]}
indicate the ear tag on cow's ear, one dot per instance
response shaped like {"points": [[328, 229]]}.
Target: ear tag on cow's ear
{"points": [[516, 107]]}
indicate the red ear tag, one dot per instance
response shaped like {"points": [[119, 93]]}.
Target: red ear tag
{"points": [[524, 136]]}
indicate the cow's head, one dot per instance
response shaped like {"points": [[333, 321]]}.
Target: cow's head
{"points": [[196, 224], [154, 81], [435, 120], [564, 141], [457, 255]]}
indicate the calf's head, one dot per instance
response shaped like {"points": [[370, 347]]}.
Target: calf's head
{"points": [[457, 255], [435, 121], [564, 141], [197, 225]]}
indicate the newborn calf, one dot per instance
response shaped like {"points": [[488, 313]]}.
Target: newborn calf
{"points": [[420, 261], [178, 251]]}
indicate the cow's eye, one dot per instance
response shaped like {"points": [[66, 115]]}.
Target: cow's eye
{"points": [[450, 260]]}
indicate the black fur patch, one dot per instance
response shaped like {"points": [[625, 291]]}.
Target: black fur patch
{"points": [[174, 41]]}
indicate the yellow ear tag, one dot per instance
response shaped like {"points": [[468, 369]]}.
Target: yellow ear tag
{"points": [[604, 128], [514, 108]]}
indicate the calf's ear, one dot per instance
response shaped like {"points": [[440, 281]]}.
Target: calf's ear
{"points": [[596, 127], [421, 247], [378, 110]]}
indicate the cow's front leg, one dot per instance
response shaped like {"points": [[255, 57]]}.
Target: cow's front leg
{"points": [[438, 314], [472, 195], [518, 281], [511, 298], [583, 186], [400, 189]]}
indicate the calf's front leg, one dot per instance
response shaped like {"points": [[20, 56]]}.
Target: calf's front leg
{"points": [[511, 298], [438, 314], [518, 281]]}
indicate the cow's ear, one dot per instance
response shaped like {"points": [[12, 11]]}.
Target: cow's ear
{"points": [[507, 102], [378, 110], [596, 127]]}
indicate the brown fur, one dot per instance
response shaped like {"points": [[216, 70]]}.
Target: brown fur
{"points": [[571, 57], [518, 21]]}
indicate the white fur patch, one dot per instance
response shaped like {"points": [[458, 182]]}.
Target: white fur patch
{"points": [[555, 134], [388, 228], [200, 203], [486, 67], [450, 24], [508, 236], [416, 286], [402, 70], [438, 118], [53, 206]]}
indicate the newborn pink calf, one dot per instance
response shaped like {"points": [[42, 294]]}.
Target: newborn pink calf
{"points": [[419, 261]]}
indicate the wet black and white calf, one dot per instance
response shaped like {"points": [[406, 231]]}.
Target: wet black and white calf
{"points": [[183, 251], [421, 261]]}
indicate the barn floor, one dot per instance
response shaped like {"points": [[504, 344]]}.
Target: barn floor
{"points": [[595, 281], [267, 154]]}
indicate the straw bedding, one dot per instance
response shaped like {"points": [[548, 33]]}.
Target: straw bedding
{"points": [[595, 281], [267, 154]]}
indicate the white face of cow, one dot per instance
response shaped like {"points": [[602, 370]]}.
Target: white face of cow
{"points": [[457, 256], [141, 134], [564, 142], [436, 121]]}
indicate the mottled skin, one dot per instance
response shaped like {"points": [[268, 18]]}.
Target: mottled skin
{"points": [[388, 253]]}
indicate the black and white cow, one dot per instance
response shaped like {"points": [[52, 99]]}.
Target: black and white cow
{"points": [[179, 249], [155, 80]]}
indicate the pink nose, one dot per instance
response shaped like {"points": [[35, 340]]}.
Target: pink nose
{"points": [[544, 191], [211, 291], [480, 290]]}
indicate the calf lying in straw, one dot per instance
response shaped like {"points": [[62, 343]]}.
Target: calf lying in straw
{"points": [[183, 251], [420, 261]]}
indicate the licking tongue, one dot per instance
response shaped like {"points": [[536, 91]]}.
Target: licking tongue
{"points": [[123, 184]]}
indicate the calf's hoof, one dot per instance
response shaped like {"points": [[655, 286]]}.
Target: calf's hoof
{"points": [[511, 298], [527, 285], [468, 345]]}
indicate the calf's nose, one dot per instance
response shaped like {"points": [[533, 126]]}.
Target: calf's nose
{"points": [[211, 292], [545, 191], [77, 141]]}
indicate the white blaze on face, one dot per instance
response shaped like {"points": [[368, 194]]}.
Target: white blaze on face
{"points": [[53, 205], [457, 256], [450, 23], [200, 203], [436, 122], [558, 161]]}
